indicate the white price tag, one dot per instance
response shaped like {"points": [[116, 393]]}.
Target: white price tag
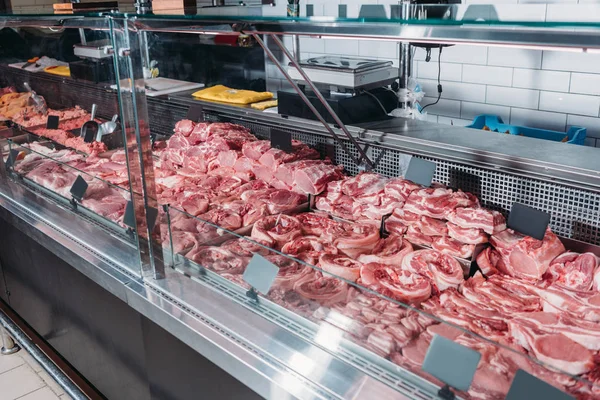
{"points": [[260, 273]]}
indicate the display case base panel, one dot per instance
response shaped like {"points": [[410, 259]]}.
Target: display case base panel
{"points": [[119, 351]]}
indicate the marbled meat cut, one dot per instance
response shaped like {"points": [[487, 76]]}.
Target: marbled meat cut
{"points": [[309, 248], [364, 185], [400, 188], [491, 222], [432, 202], [443, 270], [573, 271], [583, 332], [218, 259], [400, 220], [431, 226], [453, 247], [390, 250], [340, 266], [276, 230], [467, 235], [415, 236], [487, 261], [395, 283], [290, 272], [354, 239], [555, 349], [326, 291], [524, 256]]}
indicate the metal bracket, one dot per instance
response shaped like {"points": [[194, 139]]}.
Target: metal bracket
{"points": [[253, 294], [296, 64]]}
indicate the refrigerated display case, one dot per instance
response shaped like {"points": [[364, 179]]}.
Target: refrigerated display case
{"points": [[314, 270]]}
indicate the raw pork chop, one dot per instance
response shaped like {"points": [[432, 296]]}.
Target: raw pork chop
{"points": [[573, 270], [391, 251], [395, 283], [467, 235], [489, 221], [524, 256], [443, 270]]}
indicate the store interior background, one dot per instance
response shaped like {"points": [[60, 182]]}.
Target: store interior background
{"points": [[536, 88]]}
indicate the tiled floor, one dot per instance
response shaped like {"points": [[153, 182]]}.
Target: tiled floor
{"points": [[21, 377]]}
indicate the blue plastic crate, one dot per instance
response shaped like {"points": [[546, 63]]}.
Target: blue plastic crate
{"points": [[576, 134]]}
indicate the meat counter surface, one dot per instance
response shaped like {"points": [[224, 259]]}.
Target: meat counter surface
{"points": [[221, 173]]}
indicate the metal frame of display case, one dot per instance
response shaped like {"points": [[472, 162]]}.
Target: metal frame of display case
{"points": [[260, 346]]}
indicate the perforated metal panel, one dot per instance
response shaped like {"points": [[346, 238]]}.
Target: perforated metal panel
{"points": [[575, 212]]}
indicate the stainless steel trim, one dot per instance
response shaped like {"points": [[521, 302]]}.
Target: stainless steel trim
{"points": [[59, 377]]}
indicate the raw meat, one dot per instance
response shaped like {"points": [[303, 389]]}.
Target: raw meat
{"points": [[491, 222], [309, 248], [364, 184], [432, 202], [466, 235], [218, 260], [354, 239], [416, 237], [487, 261], [391, 251], [276, 230], [340, 266], [524, 256], [555, 349], [315, 223], [313, 179], [400, 188], [453, 247], [443, 270], [395, 283], [573, 271], [325, 291], [245, 248], [255, 150], [290, 272], [431, 227]]}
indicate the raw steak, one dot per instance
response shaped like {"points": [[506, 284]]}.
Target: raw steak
{"points": [[524, 256], [466, 235], [555, 349], [573, 270], [453, 247], [340, 266], [491, 222], [393, 282], [323, 290], [443, 270], [391, 251], [276, 230]]}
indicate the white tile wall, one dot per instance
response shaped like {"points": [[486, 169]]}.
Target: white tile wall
{"points": [[487, 75], [585, 83], [570, 103], [512, 97], [542, 89], [539, 79]]}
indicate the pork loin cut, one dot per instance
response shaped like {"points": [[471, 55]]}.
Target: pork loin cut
{"points": [[443, 270], [432, 202], [489, 221], [323, 290], [400, 188], [312, 179], [401, 285], [554, 349], [524, 256], [467, 235], [453, 247], [487, 261], [573, 270], [364, 184], [276, 230], [340, 266], [391, 251]]}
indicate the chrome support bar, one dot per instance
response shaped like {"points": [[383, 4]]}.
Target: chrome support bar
{"points": [[363, 155], [8, 344], [61, 379]]}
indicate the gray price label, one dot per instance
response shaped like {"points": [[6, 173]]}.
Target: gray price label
{"points": [[526, 386], [260, 273], [420, 171], [452, 363]]}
